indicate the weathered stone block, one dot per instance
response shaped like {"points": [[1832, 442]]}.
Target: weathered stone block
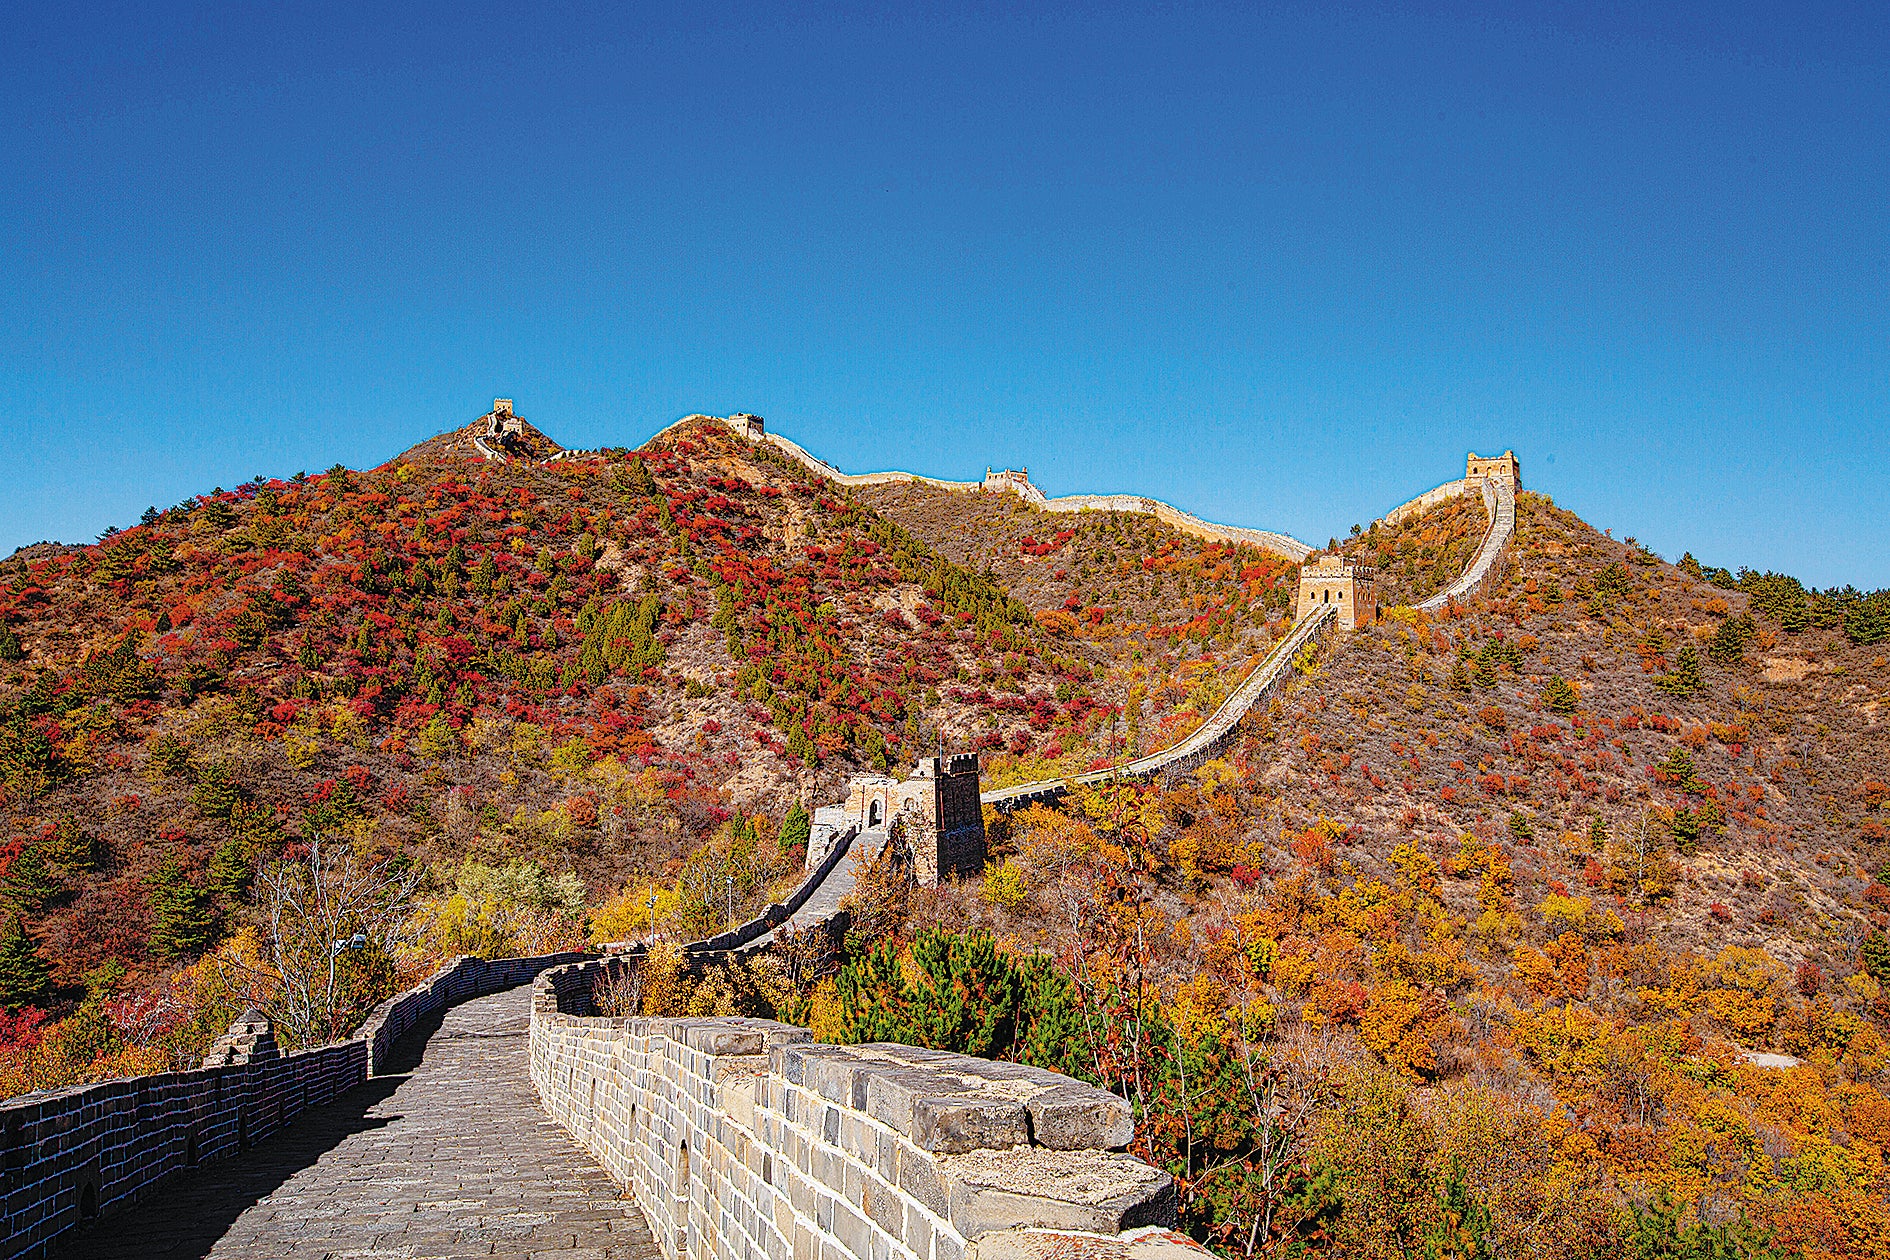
{"points": [[1096, 1191], [956, 1125], [1080, 1117]]}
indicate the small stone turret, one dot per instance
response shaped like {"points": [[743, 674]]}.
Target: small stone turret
{"points": [[936, 809], [1336, 580], [250, 1040], [1494, 468]]}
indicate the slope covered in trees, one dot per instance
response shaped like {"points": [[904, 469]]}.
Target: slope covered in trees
{"points": [[522, 685], [1552, 924]]}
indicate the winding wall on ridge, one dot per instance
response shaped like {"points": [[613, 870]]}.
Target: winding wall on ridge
{"points": [[1267, 681], [1174, 517], [746, 1138]]}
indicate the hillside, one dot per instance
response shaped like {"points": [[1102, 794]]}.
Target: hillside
{"points": [[588, 664], [1170, 619], [1571, 895]]}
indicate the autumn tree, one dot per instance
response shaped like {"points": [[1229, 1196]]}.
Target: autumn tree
{"points": [[335, 921], [23, 973], [182, 918]]}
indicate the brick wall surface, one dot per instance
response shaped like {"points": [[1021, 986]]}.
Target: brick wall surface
{"points": [[71, 1154], [743, 1138]]}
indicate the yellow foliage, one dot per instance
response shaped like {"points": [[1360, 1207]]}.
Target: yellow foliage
{"points": [[1294, 971], [629, 916], [1416, 870], [664, 983], [1398, 1024], [1200, 1008], [1579, 914], [302, 741], [1004, 885]]}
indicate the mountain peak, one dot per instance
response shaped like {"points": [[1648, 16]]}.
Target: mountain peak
{"points": [[500, 435]]}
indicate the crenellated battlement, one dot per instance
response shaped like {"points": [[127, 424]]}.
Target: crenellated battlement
{"points": [[745, 1137]]}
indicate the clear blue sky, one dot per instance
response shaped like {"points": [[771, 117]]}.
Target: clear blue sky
{"points": [[1281, 268]]}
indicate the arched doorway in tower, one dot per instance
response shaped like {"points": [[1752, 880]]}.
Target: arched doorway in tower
{"points": [[874, 814]]}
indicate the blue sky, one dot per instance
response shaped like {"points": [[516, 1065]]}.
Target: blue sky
{"points": [[1282, 268]]}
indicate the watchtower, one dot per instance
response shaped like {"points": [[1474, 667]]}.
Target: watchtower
{"points": [[950, 838], [1494, 468], [1336, 580], [749, 426], [1009, 480], [936, 810]]}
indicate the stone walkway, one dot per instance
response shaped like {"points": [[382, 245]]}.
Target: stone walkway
{"points": [[456, 1159], [824, 902]]}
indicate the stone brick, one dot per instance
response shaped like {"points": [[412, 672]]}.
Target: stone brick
{"points": [[954, 1126], [1079, 1117]]}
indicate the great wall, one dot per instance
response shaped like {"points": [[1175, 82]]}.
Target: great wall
{"points": [[719, 1137]]}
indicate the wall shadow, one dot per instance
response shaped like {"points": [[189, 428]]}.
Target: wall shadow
{"points": [[184, 1216]]}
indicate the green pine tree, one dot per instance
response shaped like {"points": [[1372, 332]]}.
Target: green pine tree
{"points": [[1560, 697], [1462, 1227], [1678, 770], [1867, 620], [10, 649], [73, 847], [1728, 645], [1684, 678], [795, 830], [181, 916], [30, 883], [23, 974], [232, 868], [1876, 957]]}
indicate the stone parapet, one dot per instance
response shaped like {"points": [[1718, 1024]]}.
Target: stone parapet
{"points": [[465, 977], [1499, 500], [744, 1137], [75, 1154], [71, 1155]]}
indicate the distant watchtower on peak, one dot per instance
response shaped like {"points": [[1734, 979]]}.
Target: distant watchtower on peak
{"points": [[1336, 580], [1494, 468]]}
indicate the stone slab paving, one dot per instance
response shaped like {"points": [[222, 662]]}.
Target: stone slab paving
{"points": [[824, 902], [457, 1158]]}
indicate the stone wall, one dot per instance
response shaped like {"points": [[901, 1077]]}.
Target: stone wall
{"points": [[1019, 484], [465, 977], [75, 1154], [745, 1138], [78, 1153], [1268, 679], [1187, 522], [1499, 500]]}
